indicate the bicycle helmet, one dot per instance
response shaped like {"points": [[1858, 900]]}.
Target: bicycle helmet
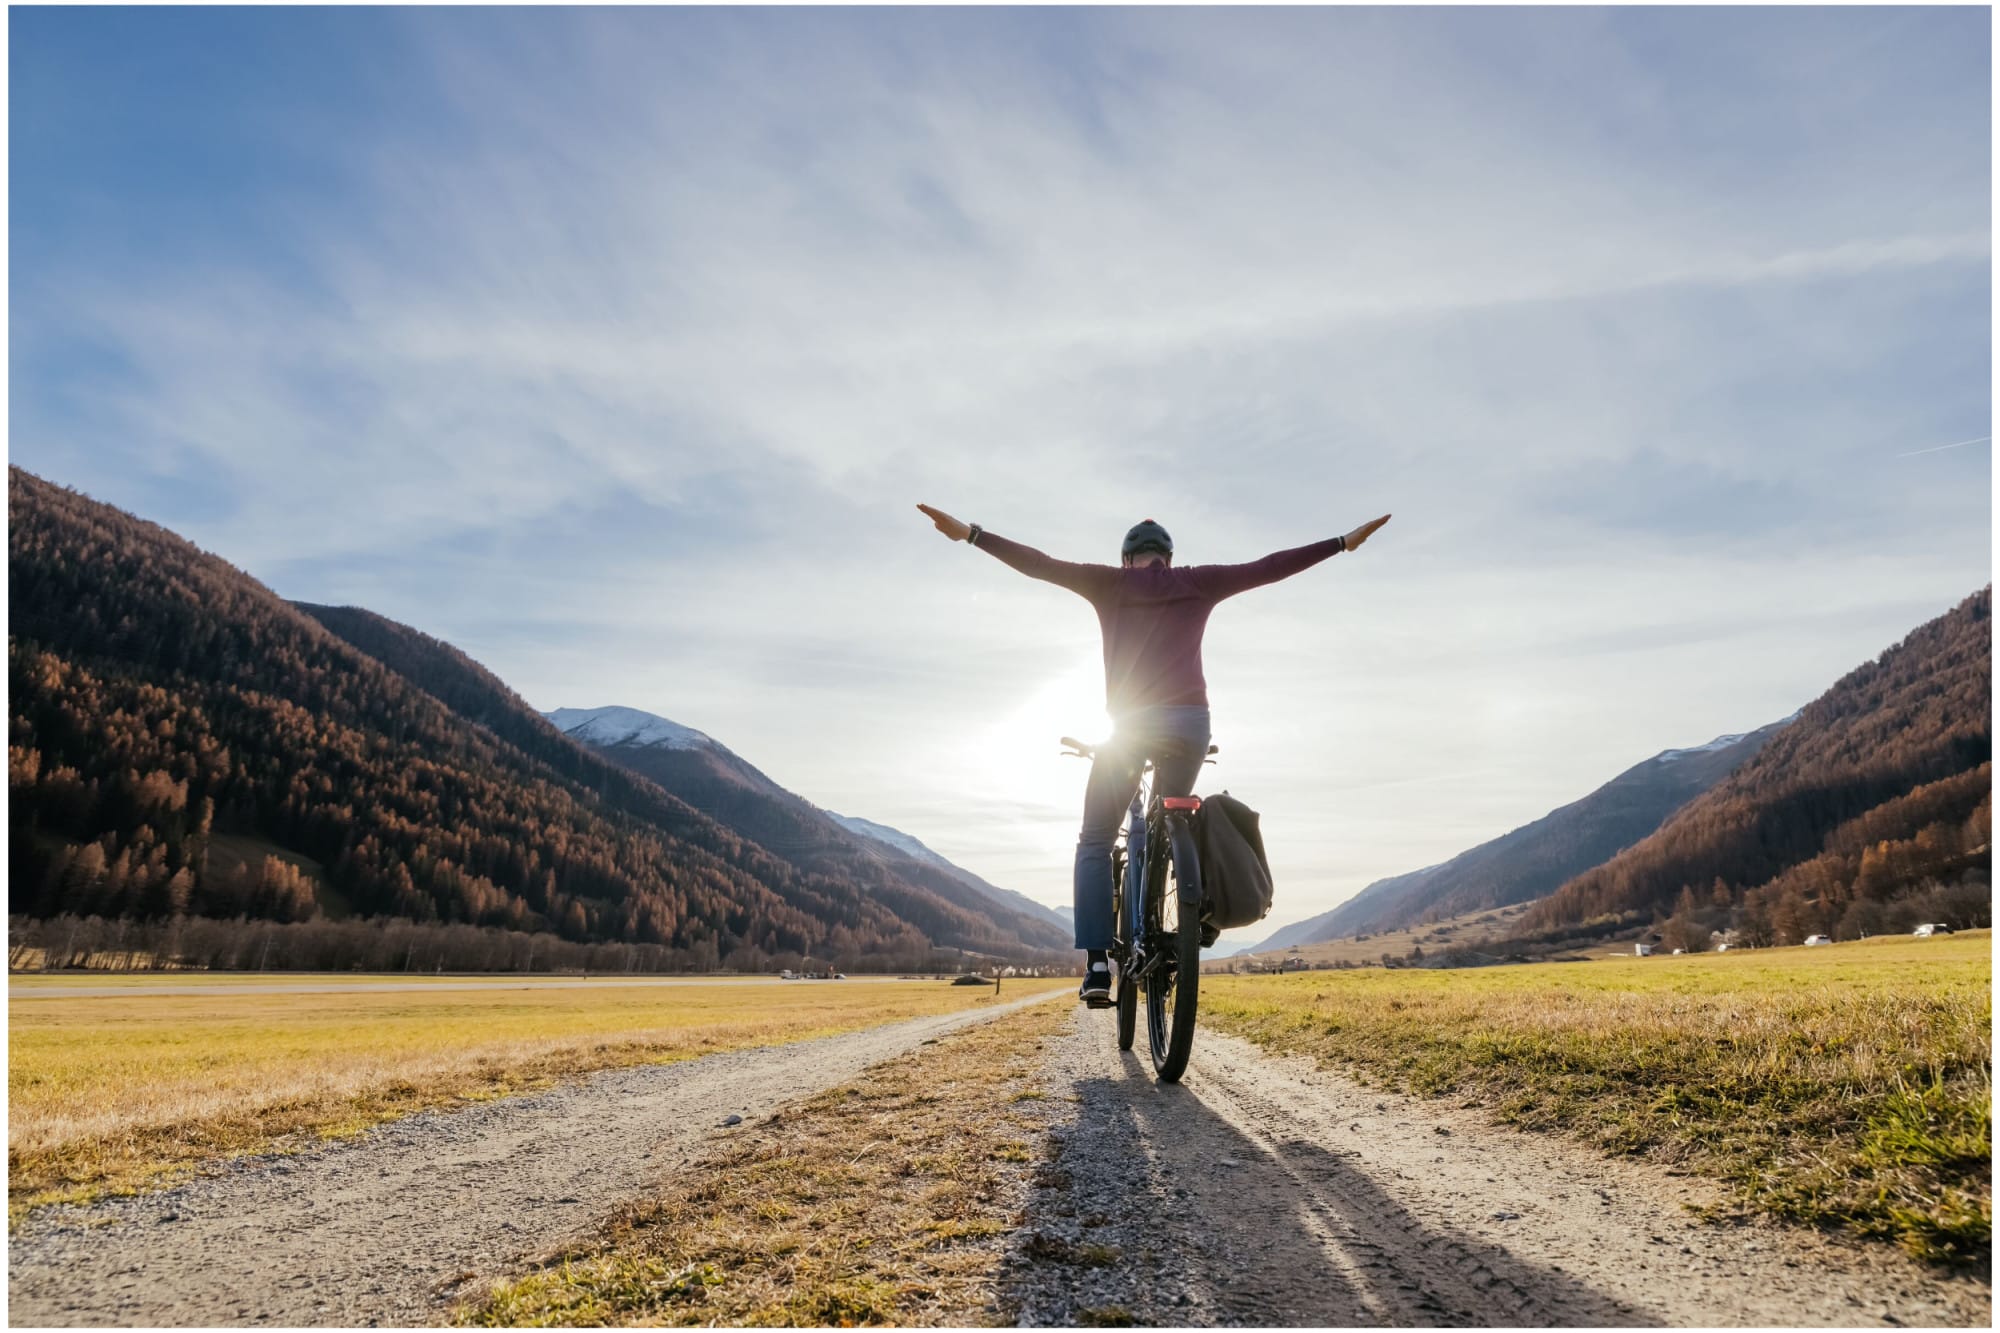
{"points": [[1146, 535]]}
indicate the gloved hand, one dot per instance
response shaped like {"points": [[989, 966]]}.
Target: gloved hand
{"points": [[1360, 534]]}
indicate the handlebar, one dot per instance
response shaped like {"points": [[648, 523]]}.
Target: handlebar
{"points": [[1079, 750]]}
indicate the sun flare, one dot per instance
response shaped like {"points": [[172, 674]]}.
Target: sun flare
{"points": [[1022, 746]]}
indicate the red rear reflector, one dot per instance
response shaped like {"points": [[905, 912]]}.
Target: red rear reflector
{"points": [[1181, 802]]}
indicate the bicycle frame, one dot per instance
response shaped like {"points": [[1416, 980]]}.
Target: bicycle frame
{"points": [[1156, 848], [1132, 881], [1129, 866]]}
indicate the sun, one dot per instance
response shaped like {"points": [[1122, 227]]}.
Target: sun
{"points": [[1022, 744]]}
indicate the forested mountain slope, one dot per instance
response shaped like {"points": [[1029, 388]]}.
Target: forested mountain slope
{"points": [[621, 777], [1882, 785], [162, 701], [714, 779]]}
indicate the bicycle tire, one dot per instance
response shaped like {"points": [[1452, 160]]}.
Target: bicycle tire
{"points": [[1171, 992], [1128, 990]]}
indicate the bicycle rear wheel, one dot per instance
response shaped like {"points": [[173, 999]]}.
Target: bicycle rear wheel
{"points": [[1175, 977]]}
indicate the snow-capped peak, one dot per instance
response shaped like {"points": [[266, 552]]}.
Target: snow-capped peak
{"points": [[627, 726], [882, 833], [1719, 743]]}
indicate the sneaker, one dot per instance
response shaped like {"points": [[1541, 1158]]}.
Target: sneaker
{"points": [[1096, 989]]}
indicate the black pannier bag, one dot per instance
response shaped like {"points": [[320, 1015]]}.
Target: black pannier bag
{"points": [[1235, 873]]}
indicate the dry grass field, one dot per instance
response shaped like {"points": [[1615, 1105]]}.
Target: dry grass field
{"points": [[112, 1093], [1849, 1085]]}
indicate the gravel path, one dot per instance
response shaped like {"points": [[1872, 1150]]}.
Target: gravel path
{"points": [[386, 1228], [1264, 1192]]}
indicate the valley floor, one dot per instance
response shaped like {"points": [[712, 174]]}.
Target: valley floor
{"points": [[955, 1171]]}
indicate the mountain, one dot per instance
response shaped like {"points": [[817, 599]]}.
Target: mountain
{"points": [[1882, 785], [909, 846], [896, 870], [695, 767], [182, 740], [1381, 894], [627, 726], [887, 836], [1536, 858], [1222, 950]]}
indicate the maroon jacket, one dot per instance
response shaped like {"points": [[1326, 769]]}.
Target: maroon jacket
{"points": [[1153, 617]]}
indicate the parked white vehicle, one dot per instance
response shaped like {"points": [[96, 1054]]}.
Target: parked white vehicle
{"points": [[1811, 940], [1930, 928]]}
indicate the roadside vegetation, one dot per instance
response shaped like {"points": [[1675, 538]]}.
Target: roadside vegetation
{"points": [[113, 1094], [885, 1201], [1847, 1086]]}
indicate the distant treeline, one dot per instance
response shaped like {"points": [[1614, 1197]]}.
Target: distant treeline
{"points": [[390, 945]]}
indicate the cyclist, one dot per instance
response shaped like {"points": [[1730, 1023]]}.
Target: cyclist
{"points": [[1152, 615]]}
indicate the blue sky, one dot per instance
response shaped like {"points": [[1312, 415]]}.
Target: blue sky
{"points": [[615, 346]]}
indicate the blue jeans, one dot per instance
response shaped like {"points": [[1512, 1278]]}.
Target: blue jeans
{"points": [[1175, 738]]}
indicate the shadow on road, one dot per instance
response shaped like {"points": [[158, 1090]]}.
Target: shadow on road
{"points": [[1221, 1212]]}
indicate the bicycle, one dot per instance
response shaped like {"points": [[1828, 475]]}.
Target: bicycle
{"points": [[1154, 892]]}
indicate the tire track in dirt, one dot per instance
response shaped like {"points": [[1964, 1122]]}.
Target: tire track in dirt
{"points": [[1264, 1191], [387, 1228]]}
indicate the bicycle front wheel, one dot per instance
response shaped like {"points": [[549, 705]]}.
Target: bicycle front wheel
{"points": [[1175, 977], [1128, 1010], [1128, 989]]}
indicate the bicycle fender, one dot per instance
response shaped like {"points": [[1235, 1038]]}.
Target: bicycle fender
{"points": [[1187, 860]]}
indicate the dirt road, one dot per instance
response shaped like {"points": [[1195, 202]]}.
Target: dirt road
{"points": [[376, 1230], [1260, 1191]]}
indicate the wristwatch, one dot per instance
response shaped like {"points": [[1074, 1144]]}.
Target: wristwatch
{"points": [[972, 537]]}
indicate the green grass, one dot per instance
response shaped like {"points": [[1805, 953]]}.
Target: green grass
{"points": [[1847, 1086]]}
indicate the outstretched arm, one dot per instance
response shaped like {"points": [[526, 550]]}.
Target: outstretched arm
{"points": [[1084, 580], [1220, 581]]}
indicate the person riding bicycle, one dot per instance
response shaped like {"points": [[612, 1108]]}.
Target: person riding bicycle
{"points": [[1152, 615]]}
